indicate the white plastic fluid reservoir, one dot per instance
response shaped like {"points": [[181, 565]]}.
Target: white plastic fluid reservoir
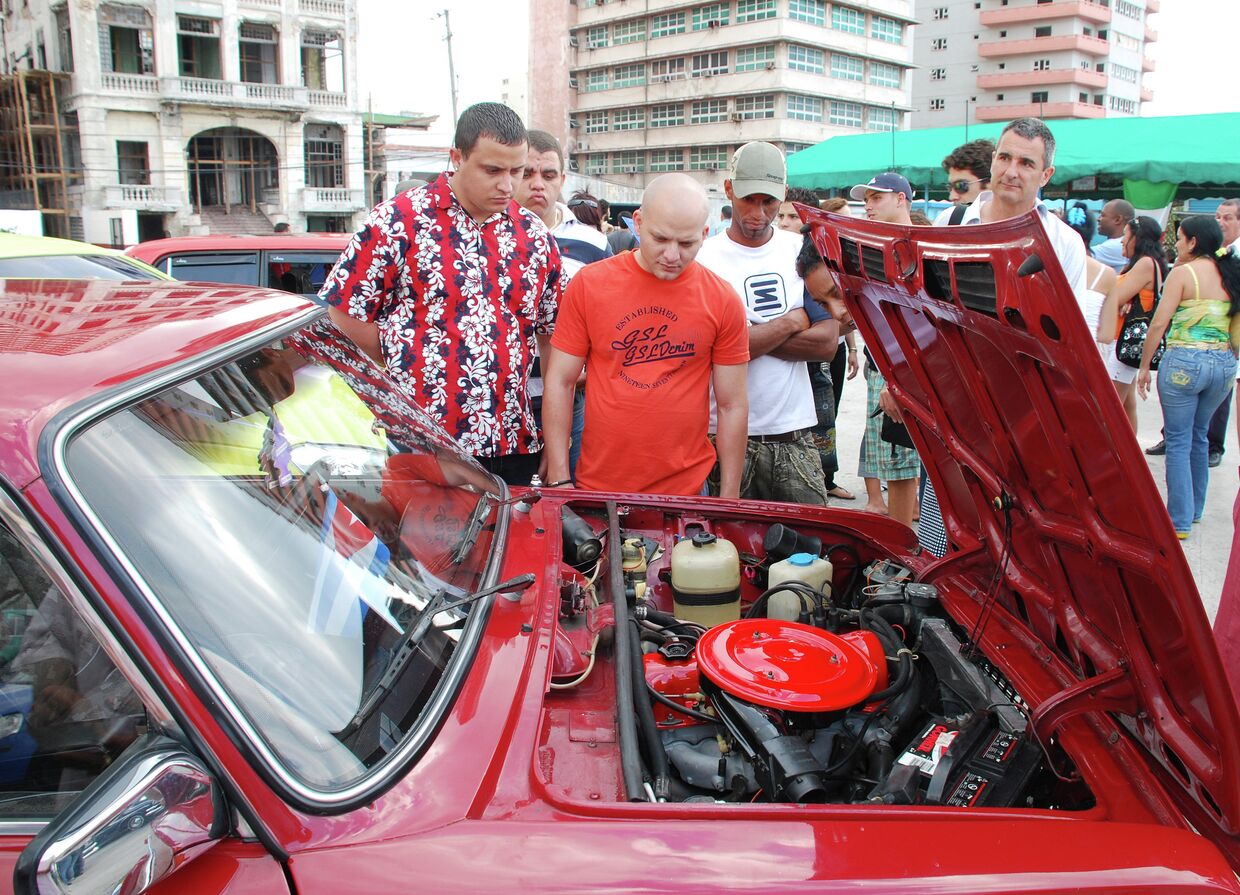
{"points": [[813, 570], [706, 580]]}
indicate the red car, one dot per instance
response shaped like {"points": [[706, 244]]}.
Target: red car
{"points": [[270, 631]]}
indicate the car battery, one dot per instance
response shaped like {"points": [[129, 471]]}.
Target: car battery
{"points": [[983, 767]]}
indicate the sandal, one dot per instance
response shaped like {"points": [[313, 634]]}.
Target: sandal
{"points": [[839, 492]]}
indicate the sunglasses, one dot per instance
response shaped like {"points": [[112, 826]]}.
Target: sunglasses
{"points": [[962, 186], [588, 203]]}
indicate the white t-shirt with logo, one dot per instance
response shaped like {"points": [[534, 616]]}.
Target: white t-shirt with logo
{"points": [[780, 397]]}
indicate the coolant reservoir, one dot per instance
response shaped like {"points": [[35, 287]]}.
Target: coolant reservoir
{"points": [[706, 580], [813, 570]]}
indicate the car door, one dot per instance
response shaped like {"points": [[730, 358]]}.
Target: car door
{"points": [[299, 272], [71, 704]]}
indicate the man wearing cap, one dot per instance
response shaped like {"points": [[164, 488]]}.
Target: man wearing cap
{"points": [[887, 198], [759, 261]]}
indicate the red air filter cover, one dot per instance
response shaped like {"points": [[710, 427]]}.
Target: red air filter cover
{"points": [[786, 665]]}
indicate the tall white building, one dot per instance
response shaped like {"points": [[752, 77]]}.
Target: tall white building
{"points": [[639, 88], [197, 116], [995, 60]]}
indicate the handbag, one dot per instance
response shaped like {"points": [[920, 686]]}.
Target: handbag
{"points": [[1131, 342], [894, 432]]}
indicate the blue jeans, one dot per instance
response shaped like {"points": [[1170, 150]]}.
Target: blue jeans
{"points": [[1191, 383], [579, 426]]}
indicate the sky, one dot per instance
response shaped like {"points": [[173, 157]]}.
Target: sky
{"points": [[403, 62]]}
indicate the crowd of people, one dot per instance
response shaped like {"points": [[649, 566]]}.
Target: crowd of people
{"points": [[624, 361]]}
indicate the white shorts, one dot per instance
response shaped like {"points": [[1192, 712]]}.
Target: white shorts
{"points": [[1119, 371]]}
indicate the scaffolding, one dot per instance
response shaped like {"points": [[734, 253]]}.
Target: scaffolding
{"points": [[35, 136]]}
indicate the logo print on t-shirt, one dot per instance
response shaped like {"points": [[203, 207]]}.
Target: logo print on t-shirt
{"points": [[648, 336], [765, 295]]}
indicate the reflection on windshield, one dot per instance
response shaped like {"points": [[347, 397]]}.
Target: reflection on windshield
{"points": [[293, 513]]}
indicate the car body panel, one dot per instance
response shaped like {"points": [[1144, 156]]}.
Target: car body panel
{"points": [[1036, 470], [15, 246], [293, 263]]}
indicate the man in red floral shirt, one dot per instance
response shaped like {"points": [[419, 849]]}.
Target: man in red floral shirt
{"points": [[449, 285]]}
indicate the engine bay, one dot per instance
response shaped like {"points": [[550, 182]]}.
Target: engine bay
{"points": [[756, 662]]}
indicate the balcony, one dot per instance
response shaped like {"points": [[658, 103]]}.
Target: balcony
{"points": [[262, 4], [998, 49], [133, 85], [332, 9], [143, 197], [205, 91], [1151, 36], [1147, 95], [1081, 76], [1152, 5], [1009, 15], [1009, 111], [332, 200], [1147, 64]]}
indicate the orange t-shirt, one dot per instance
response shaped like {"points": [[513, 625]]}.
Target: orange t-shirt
{"points": [[650, 346]]}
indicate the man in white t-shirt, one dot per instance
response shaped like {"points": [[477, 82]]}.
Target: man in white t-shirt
{"points": [[759, 261], [1113, 220]]}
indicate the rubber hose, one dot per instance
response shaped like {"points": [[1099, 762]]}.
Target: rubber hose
{"points": [[656, 754], [626, 720]]}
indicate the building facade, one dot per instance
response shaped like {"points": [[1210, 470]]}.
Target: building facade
{"points": [[995, 60], [197, 116], [638, 89]]}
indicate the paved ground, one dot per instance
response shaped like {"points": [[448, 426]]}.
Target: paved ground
{"points": [[1207, 550]]}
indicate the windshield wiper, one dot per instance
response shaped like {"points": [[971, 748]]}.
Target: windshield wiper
{"points": [[472, 528], [409, 641]]}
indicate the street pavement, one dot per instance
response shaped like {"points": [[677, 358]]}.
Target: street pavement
{"points": [[1207, 549]]}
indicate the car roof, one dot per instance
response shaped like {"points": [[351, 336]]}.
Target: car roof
{"points": [[65, 342], [158, 248], [16, 245]]}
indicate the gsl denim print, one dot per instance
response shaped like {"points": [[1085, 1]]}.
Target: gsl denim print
{"points": [[1191, 383]]}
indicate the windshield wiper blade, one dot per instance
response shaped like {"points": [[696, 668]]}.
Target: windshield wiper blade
{"points": [[408, 644], [472, 527]]}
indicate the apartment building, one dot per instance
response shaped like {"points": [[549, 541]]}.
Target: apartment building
{"points": [[994, 60], [639, 88], [197, 116]]}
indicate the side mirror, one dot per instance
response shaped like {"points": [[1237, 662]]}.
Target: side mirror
{"points": [[154, 810]]}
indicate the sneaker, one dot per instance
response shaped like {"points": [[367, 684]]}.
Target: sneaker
{"points": [[1159, 449], [1216, 457], [1182, 535]]}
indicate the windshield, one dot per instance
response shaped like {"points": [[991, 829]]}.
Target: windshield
{"points": [[74, 267], [293, 514]]}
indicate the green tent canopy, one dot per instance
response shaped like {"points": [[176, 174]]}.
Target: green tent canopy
{"points": [[1197, 152]]}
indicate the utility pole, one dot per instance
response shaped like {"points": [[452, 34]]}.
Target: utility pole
{"points": [[447, 28]]}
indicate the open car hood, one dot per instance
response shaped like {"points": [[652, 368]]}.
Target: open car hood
{"points": [[1037, 472]]}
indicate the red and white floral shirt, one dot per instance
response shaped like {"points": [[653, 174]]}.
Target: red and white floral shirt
{"points": [[457, 304]]}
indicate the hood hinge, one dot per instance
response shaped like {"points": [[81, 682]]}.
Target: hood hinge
{"points": [[1109, 691]]}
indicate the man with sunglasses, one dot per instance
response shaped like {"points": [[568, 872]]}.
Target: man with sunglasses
{"points": [[968, 173]]}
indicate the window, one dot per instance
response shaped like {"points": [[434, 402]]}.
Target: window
{"points": [[706, 111], [940, 13], [809, 59], [596, 122], [198, 43], [812, 11], [596, 163], [1123, 73], [596, 80], [848, 20], [804, 108], [596, 37], [632, 75], [848, 68], [1119, 104], [710, 16], [66, 38], [708, 158], [1126, 41], [939, 43], [938, 74], [126, 44], [667, 23], [667, 69], [628, 162], [845, 114], [754, 10], [1131, 10], [322, 61], [881, 119], [324, 150], [629, 119], [937, 105], [710, 64], [629, 32], [751, 107], [1039, 96], [132, 162], [670, 115], [754, 58], [793, 148], [1041, 65], [1042, 31], [662, 160], [884, 75], [258, 46], [888, 30]]}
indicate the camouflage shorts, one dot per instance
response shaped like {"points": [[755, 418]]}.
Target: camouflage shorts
{"points": [[790, 471]]}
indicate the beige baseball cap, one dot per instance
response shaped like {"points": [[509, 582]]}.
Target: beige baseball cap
{"points": [[758, 168]]}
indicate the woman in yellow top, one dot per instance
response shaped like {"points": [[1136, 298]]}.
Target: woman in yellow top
{"points": [[1201, 297]]}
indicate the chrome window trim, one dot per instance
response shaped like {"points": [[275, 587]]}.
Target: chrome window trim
{"points": [[418, 736]]}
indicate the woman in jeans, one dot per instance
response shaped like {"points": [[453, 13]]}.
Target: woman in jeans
{"points": [[1201, 296]]}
